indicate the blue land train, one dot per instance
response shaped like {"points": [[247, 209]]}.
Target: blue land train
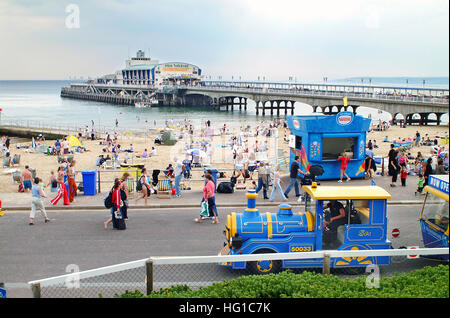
{"points": [[288, 231], [434, 214]]}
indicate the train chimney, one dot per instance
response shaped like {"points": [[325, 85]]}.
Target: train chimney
{"points": [[251, 211]]}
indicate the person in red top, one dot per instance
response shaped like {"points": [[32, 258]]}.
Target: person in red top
{"points": [[208, 194], [403, 175], [117, 200], [344, 159]]}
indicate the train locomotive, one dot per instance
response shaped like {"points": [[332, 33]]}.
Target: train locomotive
{"points": [[286, 231]]}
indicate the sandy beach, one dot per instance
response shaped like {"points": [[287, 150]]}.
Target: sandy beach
{"points": [[220, 156]]}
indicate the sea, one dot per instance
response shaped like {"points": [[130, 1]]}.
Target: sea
{"points": [[39, 101]]}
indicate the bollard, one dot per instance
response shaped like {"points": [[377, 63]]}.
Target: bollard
{"points": [[149, 275], [36, 290], [326, 264], [98, 180]]}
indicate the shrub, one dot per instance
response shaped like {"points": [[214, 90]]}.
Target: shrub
{"points": [[429, 282]]}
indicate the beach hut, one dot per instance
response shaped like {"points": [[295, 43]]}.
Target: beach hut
{"points": [[321, 139]]}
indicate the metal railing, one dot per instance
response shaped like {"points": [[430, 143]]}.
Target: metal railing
{"points": [[154, 273], [69, 128], [314, 93]]}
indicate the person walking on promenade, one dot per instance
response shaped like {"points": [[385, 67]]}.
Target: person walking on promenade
{"points": [[62, 191], [277, 185], [146, 188], [124, 188], [37, 194], [27, 179], [427, 170], [71, 181], [420, 184], [208, 194], [263, 179], [178, 173], [295, 170], [393, 166], [403, 175], [117, 198], [344, 159]]}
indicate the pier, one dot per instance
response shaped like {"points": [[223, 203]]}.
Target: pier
{"points": [[415, 105]]}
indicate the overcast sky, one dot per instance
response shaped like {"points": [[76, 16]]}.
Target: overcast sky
{"points": [[249, 38]]}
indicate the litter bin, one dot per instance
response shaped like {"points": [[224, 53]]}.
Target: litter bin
{"points": [[89, 181], [215, 173]]}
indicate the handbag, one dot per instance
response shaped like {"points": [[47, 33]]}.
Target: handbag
{"points": [[204, 211]]}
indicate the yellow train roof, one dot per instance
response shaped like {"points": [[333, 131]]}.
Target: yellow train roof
{"points": [[347, 192]]}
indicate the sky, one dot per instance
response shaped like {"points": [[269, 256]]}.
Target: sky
{"points": [[246, 39]]}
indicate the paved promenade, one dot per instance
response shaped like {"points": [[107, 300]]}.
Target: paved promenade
{"points": [[192, 198]]}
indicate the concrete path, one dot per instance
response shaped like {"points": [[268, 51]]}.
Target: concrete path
{"points": [[192, 198]]}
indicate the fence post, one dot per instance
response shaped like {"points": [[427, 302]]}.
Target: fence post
{"points": [[326, 264], [98, 181], [149, 275], [36, 290]]}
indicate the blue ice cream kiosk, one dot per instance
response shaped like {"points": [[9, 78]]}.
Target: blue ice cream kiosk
{"points": [[321, 140]]}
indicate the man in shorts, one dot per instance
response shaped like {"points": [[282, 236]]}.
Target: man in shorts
{"points": [[27, 179]]}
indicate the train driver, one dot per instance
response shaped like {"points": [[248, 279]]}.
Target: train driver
{"points": [[333, 218]]}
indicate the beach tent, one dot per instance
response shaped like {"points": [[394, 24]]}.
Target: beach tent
{"points": [[73, 141]]}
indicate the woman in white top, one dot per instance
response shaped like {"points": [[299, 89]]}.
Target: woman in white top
{"points": [[239, 166], [37, 196], [277, 185]]}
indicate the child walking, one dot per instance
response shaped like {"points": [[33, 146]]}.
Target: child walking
{"points": [[403, 175], [420, 184]]}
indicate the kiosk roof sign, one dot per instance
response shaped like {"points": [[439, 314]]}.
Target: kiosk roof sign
{"points": [[344, 118]]}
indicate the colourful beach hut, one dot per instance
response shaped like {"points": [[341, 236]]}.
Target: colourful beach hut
{"points": [[321, 139]]}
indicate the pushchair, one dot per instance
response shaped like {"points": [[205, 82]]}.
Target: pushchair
{"points": [[308, 179]]}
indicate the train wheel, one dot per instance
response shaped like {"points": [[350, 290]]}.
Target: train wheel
{"points": [[264, 267]]}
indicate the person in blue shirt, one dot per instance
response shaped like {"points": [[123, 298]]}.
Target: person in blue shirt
{"points": [[58, 146], [295, 169]]}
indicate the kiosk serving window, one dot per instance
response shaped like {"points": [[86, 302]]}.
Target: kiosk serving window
{"points": [[333, 147]]}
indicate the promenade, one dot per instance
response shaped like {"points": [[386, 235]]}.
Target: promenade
{"points": [[192, 198]]}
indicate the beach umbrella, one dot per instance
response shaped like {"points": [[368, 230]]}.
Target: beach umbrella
{"points": [[33, 143], [73, 141]]}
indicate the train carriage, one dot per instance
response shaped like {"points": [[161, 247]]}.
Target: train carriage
{"points": [[364, 227], [434, 214]]}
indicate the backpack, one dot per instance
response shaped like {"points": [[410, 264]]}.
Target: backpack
{"points": [[139, 185], [21, 188], [108, 201]]}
